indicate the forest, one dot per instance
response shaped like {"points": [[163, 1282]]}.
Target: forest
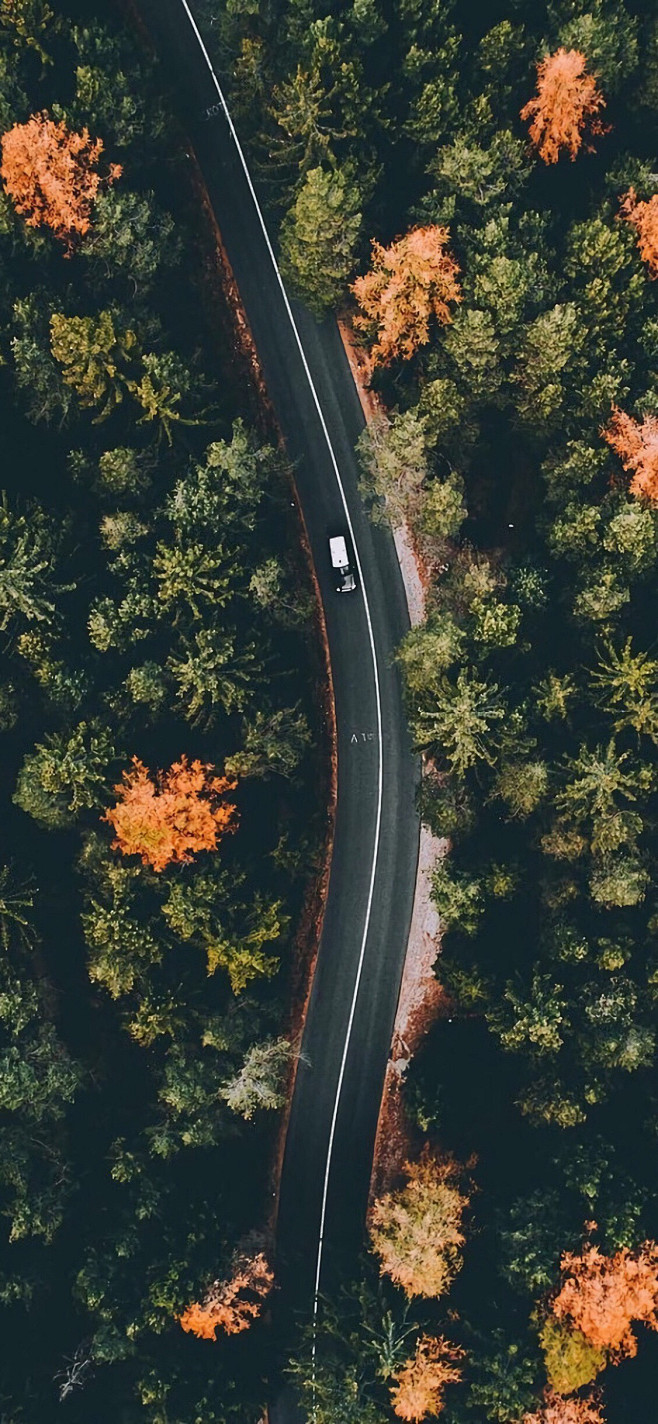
{"points": [[474, 186], [163, 768]]}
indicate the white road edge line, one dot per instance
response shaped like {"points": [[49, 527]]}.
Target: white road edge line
{"points": [[334, 462]]}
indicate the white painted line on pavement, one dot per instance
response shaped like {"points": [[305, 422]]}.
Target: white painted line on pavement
{"points": [[334, 462]]}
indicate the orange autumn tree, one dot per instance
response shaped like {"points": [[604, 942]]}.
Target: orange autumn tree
{"points": [[231, 1305], [421, 1381], [566, 104], [644, 218], [51, 174], [169, 816], [603, 1295], [556, 1410], [409, 282], [636, 444], [416, 1231]]}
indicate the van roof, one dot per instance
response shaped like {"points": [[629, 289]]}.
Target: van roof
{"points": [[338, 549]]}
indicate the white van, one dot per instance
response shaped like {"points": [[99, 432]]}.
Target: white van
{"points": [[344, 580]]}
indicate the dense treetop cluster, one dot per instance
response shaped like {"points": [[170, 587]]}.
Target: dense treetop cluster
{"points": [[477, 187], [491, 180], [158, 721]]}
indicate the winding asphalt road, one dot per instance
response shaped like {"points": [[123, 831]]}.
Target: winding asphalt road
{"points": [[348, 1031]]}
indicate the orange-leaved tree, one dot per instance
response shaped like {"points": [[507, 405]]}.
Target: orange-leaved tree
{"points": [[51, 174], [421, 1381], [566, 104], [409, 282], [169, 816], [417, 1232], [556, 1410], [231, 1305], [603, 1295], [636, 444], [644, 218]]}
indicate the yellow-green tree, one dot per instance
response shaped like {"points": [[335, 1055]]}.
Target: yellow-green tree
{"points": [[416, 1231]]}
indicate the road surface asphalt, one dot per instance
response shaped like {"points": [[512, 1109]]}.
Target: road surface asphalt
{"points": [[359, 831]]}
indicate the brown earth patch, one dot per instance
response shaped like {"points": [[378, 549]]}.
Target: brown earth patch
{"points": [[422, 999]]}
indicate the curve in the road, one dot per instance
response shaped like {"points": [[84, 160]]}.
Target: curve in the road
{"points": [[333, 1115], [371, 639]]}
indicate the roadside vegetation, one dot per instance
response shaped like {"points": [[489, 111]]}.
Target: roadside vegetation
{"points": [[161, 758], [476, 187], [490, 179]]}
